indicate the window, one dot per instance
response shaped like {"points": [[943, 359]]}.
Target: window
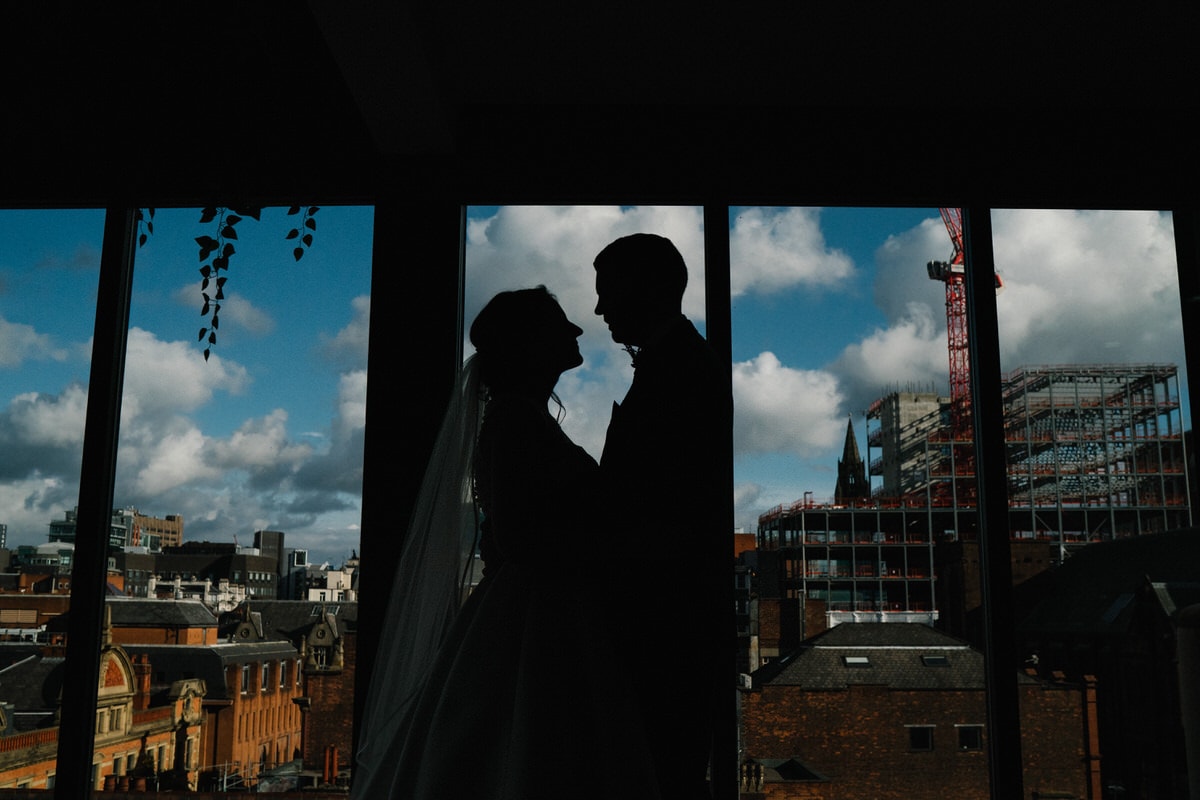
{"points": [[856, 661], [853, 599], [935, 660], [246, 679], [970, 737], [265, 670], [920, 737], [283, 674]]}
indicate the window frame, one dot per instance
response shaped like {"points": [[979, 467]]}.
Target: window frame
{"points": [[913, 745], [421, 233]]}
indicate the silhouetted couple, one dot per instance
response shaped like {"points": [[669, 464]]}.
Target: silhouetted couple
{"points": [[586, 663]]}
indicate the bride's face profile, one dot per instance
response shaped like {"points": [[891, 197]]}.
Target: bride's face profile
{"points": [[561, 339], [524, 335]]}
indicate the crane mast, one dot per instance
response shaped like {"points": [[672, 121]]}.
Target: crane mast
{"points": [[953, 274]]}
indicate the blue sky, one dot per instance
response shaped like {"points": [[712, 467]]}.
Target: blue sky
{"points": [[831, 308], [266, 434]]}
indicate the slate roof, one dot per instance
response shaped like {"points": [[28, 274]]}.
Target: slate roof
{"points": [[131, 612], [897, 655], [1092, 592], [173, 662], [33, 684], [288, 619]]}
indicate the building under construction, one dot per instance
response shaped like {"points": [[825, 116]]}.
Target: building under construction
{"points": [[1094, 452]]}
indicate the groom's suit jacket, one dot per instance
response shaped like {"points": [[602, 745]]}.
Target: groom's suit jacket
{"points": [[665, 495], [663, 467]]}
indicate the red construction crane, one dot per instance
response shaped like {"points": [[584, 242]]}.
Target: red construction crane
{"points": [[953, 274]]}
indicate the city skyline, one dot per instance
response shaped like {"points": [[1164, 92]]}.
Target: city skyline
{"points": [[831, 308]]}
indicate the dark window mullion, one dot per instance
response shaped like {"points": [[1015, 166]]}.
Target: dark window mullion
{"points": [[718, 330], [995, 552], [1187, 257], [80, 691]]}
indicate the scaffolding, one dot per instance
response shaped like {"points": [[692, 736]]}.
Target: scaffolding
{"points": [[1093, 452]]}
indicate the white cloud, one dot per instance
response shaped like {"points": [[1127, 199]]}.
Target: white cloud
{"points": [[170, 377], [1087, 287], [235, 309], [351, 402], [261, 443], [779, 409], [522, 246], [909, 353], [20, 342], [246, 316], [776, 248], [161, 460], [350, 343], [35, 420]]}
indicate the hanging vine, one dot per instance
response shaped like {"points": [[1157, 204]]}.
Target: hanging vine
{"points": [[216, 250]]}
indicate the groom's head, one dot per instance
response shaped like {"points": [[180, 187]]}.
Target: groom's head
{"points": [[639, 285]]}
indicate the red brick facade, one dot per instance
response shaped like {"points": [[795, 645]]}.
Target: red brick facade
{"points": [[858, 741]]}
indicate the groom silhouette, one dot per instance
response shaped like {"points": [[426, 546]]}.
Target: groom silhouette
{"points": [[664, 488]]}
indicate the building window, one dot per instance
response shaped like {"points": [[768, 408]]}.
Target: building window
{"points": [[245, 679], [970, 737], [920, 737], [266, 677], [283, 674]]}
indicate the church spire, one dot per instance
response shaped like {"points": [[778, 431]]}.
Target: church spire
{"points": [[852, 472]]}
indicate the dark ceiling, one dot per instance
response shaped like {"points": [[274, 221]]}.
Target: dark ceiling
{"points": [[842, 102]]}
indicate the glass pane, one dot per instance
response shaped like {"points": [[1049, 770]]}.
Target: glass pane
{"points": [[1095, 403], [238, 490], [514, 247], [863, 587], [49, 273], [511, 247]]}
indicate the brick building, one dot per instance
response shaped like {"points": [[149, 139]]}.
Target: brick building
{"points": [[898, 710], [324, 635], [251, 722], [147, 737], [1112, 610]]}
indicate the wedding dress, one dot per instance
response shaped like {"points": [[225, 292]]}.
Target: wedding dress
{"points": [[524, 695]]}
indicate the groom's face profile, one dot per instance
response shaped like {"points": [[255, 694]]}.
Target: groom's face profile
{"points": [[620, 302]]}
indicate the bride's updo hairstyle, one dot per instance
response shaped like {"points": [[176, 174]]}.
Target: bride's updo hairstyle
{"points": [[503, 332]]}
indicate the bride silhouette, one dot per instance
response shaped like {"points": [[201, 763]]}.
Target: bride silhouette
{"points": [[518, 693]]}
